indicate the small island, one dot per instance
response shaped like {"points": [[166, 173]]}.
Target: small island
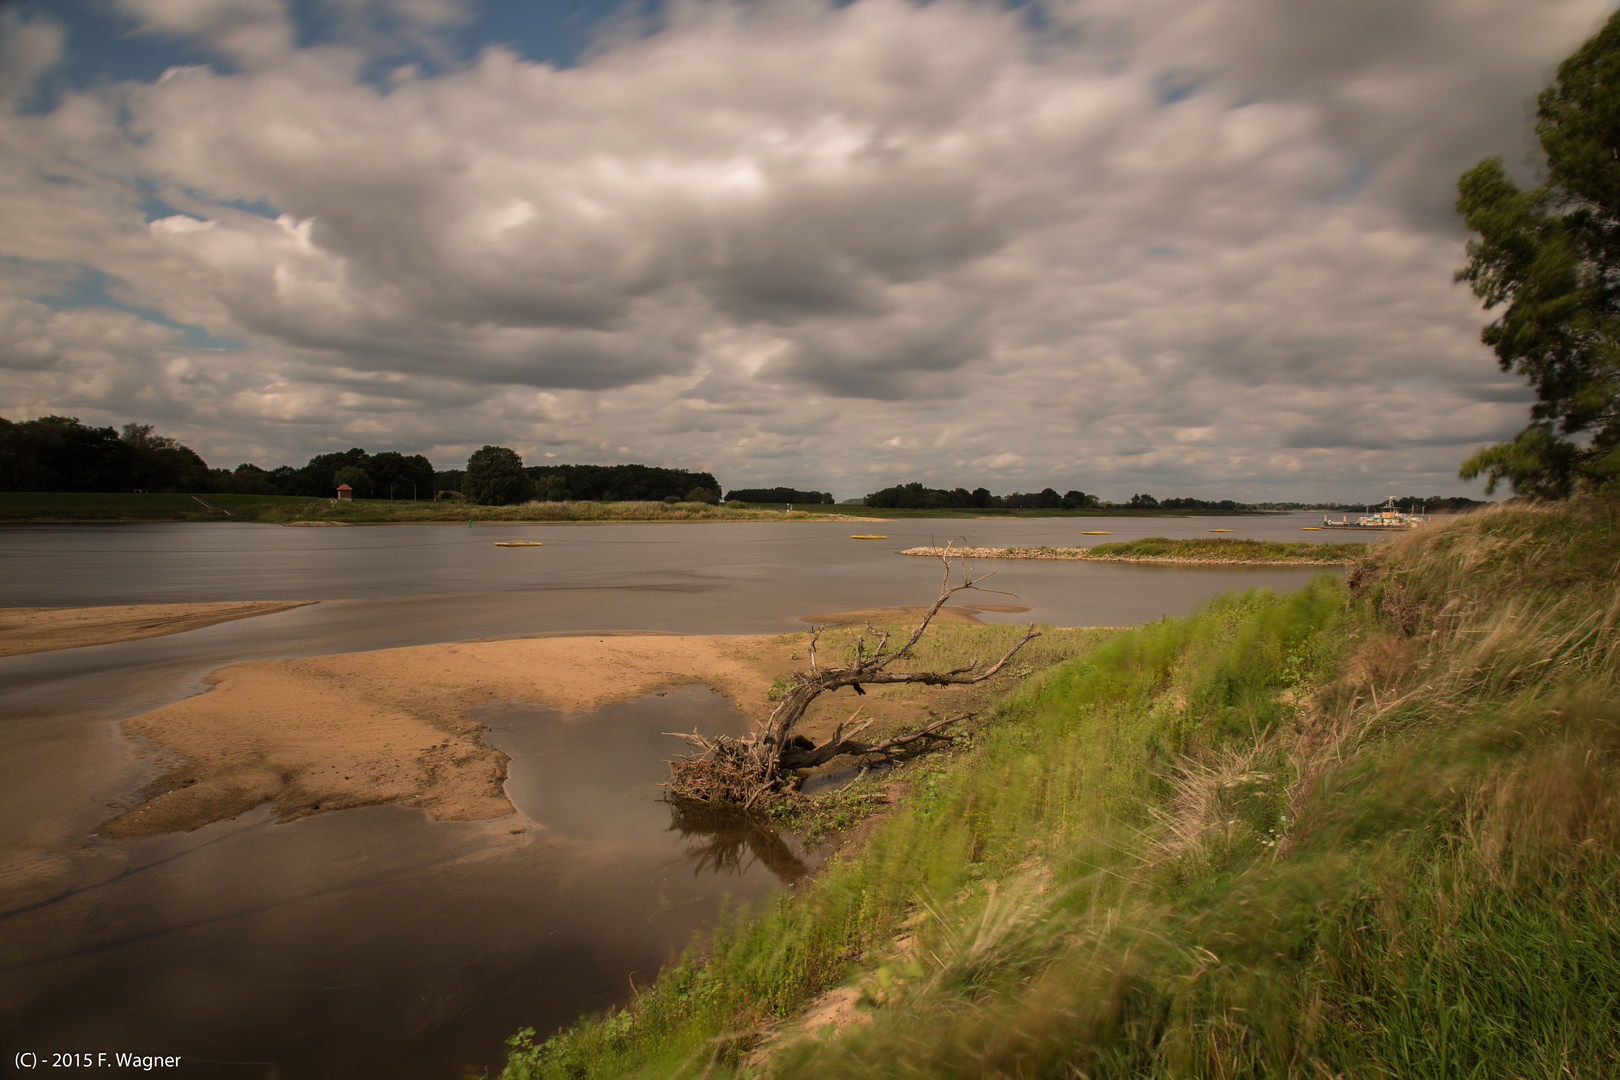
{"points": [[1218, 551]]}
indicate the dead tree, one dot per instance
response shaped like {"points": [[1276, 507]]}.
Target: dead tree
{"points": [[743, 771]]}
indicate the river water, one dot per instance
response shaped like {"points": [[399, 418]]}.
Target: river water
{"points": [[378, 942]]}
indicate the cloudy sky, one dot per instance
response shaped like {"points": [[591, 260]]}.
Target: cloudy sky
{"points": [[1189, 247]]}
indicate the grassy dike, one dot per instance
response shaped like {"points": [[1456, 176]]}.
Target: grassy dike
{"points": [[1367, 829], [40, 507]]}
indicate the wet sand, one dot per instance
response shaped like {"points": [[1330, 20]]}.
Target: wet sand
{"points": [[389, 727], [32, 630]]}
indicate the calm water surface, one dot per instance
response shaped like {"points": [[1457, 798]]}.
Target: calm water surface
{"points": [[377, 942]]}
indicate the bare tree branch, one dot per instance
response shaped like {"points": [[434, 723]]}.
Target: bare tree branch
{"points": [[744, 771]]}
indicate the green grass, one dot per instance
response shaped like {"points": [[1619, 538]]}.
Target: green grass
{"points": [[1368, 829], [1231, 549]]}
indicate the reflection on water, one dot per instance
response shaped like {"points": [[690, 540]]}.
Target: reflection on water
{"points": [[598, 774], [726, 842], [377, 942]]}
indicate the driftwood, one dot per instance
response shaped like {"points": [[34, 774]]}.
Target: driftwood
{"points": [[744, 771]]}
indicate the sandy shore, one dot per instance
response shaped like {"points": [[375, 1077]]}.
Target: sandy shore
{"points": [[31, 630], [356, 729]]}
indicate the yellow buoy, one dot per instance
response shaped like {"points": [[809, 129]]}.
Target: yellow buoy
{"points": [[1220, 530], [866, 536], [1310, 528], [517, 543], [1096, 532]]}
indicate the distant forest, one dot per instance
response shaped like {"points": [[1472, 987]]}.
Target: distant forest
{"points": [[918, 497], [58, 453], [778, 495], [915, 496]]}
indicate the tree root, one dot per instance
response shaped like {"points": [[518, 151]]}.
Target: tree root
{"points": [[743, 772]]}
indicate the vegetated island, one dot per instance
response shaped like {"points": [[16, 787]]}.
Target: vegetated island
{"points": [[1213, 551], [1290, 829]]}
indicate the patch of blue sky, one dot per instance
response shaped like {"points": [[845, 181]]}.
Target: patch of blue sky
{"points": [[90, 290], [99, 45], [153, 206], [1355, 179], [1170, 87], [559, 33], [262, 207]]}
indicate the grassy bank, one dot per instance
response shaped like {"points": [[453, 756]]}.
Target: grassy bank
{"points": [[1368, 829], [283, 509], [1158, 549]]}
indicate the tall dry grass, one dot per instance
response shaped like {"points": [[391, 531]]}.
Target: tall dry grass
{"points": [[1365, 830]]}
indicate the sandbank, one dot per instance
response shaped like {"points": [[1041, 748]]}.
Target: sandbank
{"points": [[32, 630], [355, 729]]}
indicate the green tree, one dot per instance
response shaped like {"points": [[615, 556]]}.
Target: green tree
{"points": [[396, 476], [1552, 256], [495, 477]]}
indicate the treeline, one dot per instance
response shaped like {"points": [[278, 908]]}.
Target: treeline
{"points": [[496, 476], [918, 497], [59, 453], [779, 495]]}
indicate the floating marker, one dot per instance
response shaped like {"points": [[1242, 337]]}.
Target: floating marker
{"points": [[1220, 530], [517, 543], [866, 536], [1096, 532]]}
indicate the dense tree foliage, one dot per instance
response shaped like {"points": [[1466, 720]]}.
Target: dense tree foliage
{"points": [[621, 483], [915, 496], [1552, 256], [58, 453], [495, 477], [779, 495]]}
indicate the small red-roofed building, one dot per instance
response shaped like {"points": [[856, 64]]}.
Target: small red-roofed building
{"points": [[345, 492]]}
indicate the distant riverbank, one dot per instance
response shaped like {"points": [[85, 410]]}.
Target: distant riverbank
{"points": [[1210, 551], [36, 507]]}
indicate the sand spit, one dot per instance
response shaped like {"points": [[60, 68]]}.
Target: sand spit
{"points": [[32, 630], [356, 729], [954, 614], [1084, 555]]}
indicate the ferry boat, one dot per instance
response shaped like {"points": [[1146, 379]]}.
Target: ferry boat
{"points": [[1387, 517]]}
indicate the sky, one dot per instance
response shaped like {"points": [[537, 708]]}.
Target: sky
{"points": [[1184, 247]]}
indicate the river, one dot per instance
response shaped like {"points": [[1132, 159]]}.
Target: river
{"points": [[378, 942]]}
